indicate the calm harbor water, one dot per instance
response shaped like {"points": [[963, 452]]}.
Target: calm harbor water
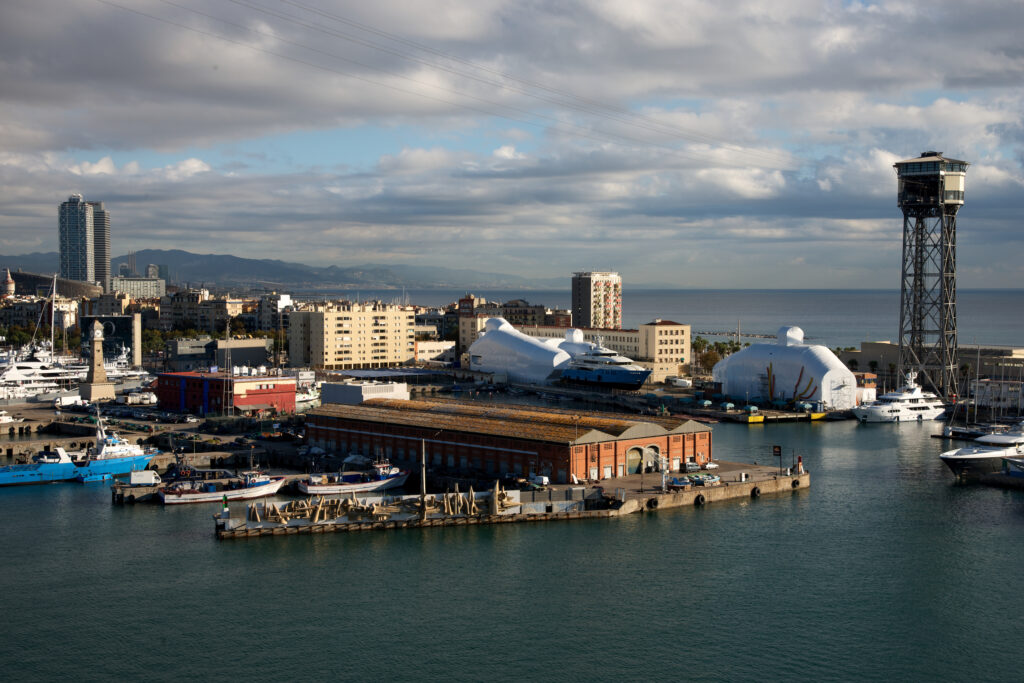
{"points": [[884, 570]]}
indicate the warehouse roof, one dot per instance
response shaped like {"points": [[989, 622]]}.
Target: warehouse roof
{"points": [[533, 424]]}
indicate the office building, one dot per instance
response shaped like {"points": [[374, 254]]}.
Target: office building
{"points": [[101, 244], [76, 240], [84, 241]]}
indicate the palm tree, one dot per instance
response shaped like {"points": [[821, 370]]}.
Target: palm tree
{"points": [[699, 346]]}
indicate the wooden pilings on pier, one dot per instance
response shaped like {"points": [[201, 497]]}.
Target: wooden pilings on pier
{"points": [[277, 521], [430, 522]]}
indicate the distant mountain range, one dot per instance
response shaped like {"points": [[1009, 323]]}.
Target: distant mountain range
{"points": [[232, 271]]}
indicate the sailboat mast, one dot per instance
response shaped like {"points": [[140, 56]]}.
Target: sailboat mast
{"points": [[53, 305]]}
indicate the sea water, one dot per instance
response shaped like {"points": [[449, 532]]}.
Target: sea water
{"points": [[885, 569], [830, 317]]}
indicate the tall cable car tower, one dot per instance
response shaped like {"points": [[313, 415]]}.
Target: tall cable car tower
{"points": [[931, 192]]}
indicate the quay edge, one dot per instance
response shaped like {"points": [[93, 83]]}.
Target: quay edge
{"points": [[632, 503]]}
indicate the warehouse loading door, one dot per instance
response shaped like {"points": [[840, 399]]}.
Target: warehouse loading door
{"points": [[634, 458]]}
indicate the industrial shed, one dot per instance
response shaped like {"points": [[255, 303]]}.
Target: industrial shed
{"points": [[496, 440]]}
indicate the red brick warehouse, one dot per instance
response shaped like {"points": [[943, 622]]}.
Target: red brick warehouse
{"points": [[498, 440]]}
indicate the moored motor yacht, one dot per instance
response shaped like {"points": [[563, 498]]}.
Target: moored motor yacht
{"points": [[907, 404], [970, 462]]}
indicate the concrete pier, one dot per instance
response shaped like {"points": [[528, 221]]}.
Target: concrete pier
{"points": [[621, 496]]}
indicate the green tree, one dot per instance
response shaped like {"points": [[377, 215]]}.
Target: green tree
{"points": [[709, 359], [152, 341]]}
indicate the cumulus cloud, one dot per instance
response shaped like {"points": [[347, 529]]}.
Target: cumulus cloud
{"points": [[719, 135]]}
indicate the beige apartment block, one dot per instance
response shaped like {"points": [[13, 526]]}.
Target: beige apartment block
{"points": [[470, 327], [661, 345], [347, 336]]}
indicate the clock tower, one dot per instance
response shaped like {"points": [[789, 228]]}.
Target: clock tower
{"points": [[96, 387]]}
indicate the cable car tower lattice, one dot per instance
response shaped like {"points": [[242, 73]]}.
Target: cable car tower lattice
{"points": [[931, 192]]}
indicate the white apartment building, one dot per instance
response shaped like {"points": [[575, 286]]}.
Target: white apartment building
{"points": [[597, 300], [343, 335], [139, 287]]}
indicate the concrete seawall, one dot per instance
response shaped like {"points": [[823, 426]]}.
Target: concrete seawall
{"points": [[703, 495]]}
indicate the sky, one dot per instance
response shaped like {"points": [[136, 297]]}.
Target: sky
{"points": [[684, 144]]}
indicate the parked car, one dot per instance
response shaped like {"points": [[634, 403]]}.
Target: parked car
{"points": [[711, 466], [692, 467]]}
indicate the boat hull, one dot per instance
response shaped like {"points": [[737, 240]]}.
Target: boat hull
{"points": [[353, 487], [972, 463], [47, 473], [610, 379], [867, 415], [261, 491]]}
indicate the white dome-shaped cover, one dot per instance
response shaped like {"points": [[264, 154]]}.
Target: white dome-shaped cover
{"points": [[790, 336], [788, 370], [503, 349]]}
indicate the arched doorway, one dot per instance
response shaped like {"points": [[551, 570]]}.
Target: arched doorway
{"points": [[634, 460], [652, 458]]}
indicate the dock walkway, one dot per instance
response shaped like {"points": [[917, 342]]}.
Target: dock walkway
{"points": [[624, 496]]}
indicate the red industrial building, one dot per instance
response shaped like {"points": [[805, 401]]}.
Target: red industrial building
{"points": [[497, 440], [205, 393]]}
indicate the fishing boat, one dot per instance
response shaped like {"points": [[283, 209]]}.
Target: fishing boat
{"points": [[110, 455], [251, 484], [383, 476], [5, 418]]}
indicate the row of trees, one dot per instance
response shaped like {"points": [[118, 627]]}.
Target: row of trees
{"points": [[155, 340], [18, 336], [708, 353]]}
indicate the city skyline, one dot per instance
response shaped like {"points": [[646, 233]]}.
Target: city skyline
{"points": [[694, 146]]}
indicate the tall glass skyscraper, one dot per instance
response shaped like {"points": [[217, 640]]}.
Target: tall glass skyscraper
{"points": [[84, 241], [77, 255], [101, 244]]}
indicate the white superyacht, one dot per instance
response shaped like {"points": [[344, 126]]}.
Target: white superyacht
{"points": [[907, 404]]}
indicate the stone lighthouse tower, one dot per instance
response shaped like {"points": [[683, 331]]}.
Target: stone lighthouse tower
{"points": [[96, 387]]}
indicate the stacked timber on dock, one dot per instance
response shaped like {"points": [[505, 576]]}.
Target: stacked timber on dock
{"points": [[325, 515], [320, 515]]}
